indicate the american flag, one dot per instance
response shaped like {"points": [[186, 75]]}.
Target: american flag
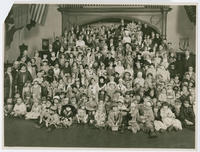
{"points": [[37, 12]]}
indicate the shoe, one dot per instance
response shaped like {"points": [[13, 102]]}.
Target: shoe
{"points": [[170, 128]]}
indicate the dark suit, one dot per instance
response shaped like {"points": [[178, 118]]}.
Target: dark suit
{"points": [[21, 78], [8, 86]]}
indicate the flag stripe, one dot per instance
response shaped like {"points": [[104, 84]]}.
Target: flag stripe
{"points": [[39, 18], [37, 12]]}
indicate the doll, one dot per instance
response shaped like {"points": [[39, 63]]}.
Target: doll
{"points": [[19, 109], [132, 124], [100, 115], [82, 116], [8, 108], [35, 111], [168, 118]]}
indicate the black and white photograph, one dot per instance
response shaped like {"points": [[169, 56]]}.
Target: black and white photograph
{"points": [[100, 76]]}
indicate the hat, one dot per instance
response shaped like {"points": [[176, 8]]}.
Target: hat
{"points": [[121, 99], [56, 97], [91, 106], [54, 108]]}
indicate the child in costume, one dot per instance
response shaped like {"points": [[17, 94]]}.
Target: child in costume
{"points": [[114, 118], [8, 107], [67, 114], [19, 109], [187, 115], [82, 116], [35, 111], [146, 119], [169, 119], [100, 115], [132, 124], [36, 90]]}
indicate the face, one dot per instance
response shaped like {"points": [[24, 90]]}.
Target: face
{"points": [[19, 101], [186, 104], [23, 68]]}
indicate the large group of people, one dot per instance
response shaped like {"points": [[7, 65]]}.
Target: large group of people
{"points": [[117, 77]]}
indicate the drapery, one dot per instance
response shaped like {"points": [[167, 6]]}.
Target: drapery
{"points": [[191, 12]]}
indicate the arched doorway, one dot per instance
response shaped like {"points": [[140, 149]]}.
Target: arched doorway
{"points": [[155, 15]]}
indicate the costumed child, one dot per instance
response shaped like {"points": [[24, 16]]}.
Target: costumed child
{"points": [[114, 118], [36, 90], [146, 119], [19, 109], [28, 102], [53, 119], [26, 90], [100, 115], [35, 111], [124, 112], [187, 115], [132, 124], [168, 118], [67, 114], [91, 107], [82, 116], [45, 112], [170, 95], [8, 108], [163, 95], [139, 79]]}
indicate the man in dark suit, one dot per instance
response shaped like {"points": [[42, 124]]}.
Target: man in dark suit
{"points": [[21, 78], [188, 61], [8, 84]]}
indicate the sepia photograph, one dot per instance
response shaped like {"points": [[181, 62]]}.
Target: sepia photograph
{"points": [[100, 76]]}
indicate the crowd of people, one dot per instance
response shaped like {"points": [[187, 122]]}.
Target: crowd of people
{"points": [[115, 77]]}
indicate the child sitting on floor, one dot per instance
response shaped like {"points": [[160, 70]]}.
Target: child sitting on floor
{"points": [[19, 109]]}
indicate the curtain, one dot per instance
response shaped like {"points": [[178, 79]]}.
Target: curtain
{"points": [[191, 12]]}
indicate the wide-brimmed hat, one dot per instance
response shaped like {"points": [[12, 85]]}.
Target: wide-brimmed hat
{"points": [[91, 106]]}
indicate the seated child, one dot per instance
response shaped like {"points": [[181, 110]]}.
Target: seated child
{"points": [[67, 114], [114, 118], [169, 119], [19, 109], [132, 124], [8, 108], [187, 116], [35, 111], [100, 115], [82, 116], [53, 119], [146, 118]]}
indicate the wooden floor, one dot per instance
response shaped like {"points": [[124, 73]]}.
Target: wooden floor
{"points": [[20, 133]]}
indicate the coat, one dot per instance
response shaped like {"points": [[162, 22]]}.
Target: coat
{"points": [[8, 86]]}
